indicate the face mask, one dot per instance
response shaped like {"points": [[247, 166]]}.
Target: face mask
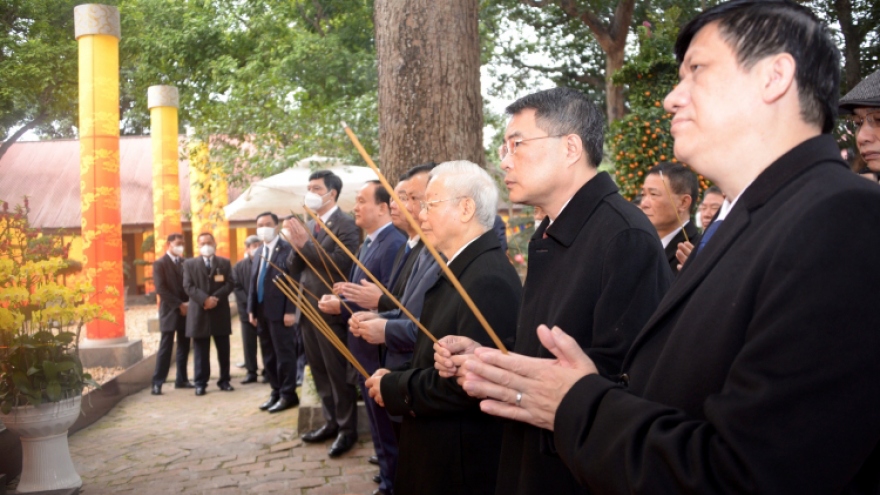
{"points": [[286, 233], [314, 201], [206, 250], [266, 234], [177, 250]]}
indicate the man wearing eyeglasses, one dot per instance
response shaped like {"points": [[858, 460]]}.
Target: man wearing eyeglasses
{"points": [[862, 106], [595, 264]]}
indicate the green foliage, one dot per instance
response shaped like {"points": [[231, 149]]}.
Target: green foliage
{"points": [[642, 139], [40, 319]]}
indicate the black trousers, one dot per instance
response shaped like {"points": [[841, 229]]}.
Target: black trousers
{"points": [[330, 371], [163, 357], [249, 345], [280, 354], [202, 359]]}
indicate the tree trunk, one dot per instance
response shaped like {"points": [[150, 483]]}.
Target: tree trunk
{"points": [[430, 107], [4, 147], [614, 99], [852, 41]]}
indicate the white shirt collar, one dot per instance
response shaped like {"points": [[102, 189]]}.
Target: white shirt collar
{"points": [[560, 211], [728, 205], [326, 216], [449, 261], [668, 237], [272, 244], [413, 241], [171, 255], [375, 233]]}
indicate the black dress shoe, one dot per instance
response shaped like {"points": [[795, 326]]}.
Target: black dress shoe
{"points": [[269, 403], [265, 379], [379, 491], [377, 479], [157, 390], [342, 444], [323, 433], [184, 385], [374, 460], [283, 404], [200, 391], [225, 387], [249, 379]]}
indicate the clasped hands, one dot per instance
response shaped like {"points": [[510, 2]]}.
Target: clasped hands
{"points": [[368, 326], [514, 386], [210, 303]]}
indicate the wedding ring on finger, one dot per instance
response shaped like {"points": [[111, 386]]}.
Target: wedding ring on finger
{"points": [[518, 399]]}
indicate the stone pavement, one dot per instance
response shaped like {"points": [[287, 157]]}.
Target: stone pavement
{"points": [[217, 444]]}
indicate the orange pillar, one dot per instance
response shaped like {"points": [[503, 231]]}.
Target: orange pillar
{"points": [[97, 32], [208, 195], [163, 103]]}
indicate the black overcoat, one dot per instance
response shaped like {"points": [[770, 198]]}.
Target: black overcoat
{"points": [[598, 275], [758, 373], [168, 279], [241, 276], [200, 284], [447, 445], [692, 234]]}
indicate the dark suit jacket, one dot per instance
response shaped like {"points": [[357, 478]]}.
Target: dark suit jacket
{"points": [[464, 443], [693, 235], [379, 261], [168, 278], [241, 276], [598, 275], [275, 303], [758, 371], [344, 228], [201, 284], [403, 264], [400, 331]]}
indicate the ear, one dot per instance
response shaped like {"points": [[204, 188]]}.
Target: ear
{"points": [[574, 150], [686, 201], [467, 208], [777, 73]]}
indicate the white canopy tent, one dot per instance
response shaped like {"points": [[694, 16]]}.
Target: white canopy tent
{"points": [[284, 192]]}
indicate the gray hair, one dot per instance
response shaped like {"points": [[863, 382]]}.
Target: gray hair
{"points": [[464, 179], [251, 240]]}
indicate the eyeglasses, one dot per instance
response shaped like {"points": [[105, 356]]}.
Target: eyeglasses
{"points": [[873, 120], [510, 145], [426, 205], [403, 197]]}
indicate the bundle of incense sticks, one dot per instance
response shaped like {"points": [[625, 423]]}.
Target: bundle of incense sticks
{"points": [[312, 267], [415, 225], [373, 277], [292, 290]]}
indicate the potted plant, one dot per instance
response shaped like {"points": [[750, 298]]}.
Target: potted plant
{"points": [[41, 376]]}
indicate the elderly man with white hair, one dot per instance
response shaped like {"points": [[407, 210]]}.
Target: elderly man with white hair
{"points": [[447, 445]]}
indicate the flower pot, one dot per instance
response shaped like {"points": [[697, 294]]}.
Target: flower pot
{"points": [[46, 463]]}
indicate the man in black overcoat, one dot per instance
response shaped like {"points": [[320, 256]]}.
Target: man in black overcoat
{"points": [[173, 304], [241, 275], [669, 197], [447, 446], [596, 264], [207, 280], [758, 371]]}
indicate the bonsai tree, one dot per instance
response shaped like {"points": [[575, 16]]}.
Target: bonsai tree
{"points": [[41, 319]]}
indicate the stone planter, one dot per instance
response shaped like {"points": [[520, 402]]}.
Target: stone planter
{"points": [[46, 461]]}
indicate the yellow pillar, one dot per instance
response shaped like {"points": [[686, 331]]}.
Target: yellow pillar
{"points": [[208, 195], [97, 32], [163, 103]]}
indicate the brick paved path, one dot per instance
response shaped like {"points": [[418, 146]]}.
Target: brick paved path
{"points": [[217, 444]]}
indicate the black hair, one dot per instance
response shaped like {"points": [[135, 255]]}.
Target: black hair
{"points": [[562, 111], [380, 194], [681, 180], [173, 237], [756, 29], [712, 190], [331, 181], [270, 214], [207, 234], [419, 169]]}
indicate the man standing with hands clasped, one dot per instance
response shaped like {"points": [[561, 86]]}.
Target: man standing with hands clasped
{"points": [[758, 371]]}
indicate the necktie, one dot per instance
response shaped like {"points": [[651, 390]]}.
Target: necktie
{"points": [[406, 250], [364, 249], [208, 263], [317, 228], [708, 234], [261, 278], [178, 261]]}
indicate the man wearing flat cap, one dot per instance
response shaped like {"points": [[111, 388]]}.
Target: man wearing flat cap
{"points": [[862, 107]]}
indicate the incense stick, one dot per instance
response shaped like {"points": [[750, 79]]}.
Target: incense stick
{"points": [[415, 225], [309, 264], [321, 249]]}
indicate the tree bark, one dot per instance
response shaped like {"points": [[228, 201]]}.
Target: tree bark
{"points": [[430, 106], [852, 41]]}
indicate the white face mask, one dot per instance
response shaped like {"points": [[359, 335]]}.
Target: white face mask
{"points": [[177, 250], [314, 201], [286, 233], [266, 234], [206, 250]]}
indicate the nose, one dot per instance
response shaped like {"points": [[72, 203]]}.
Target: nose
{"points": [[675, 99], [506, 162]]}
